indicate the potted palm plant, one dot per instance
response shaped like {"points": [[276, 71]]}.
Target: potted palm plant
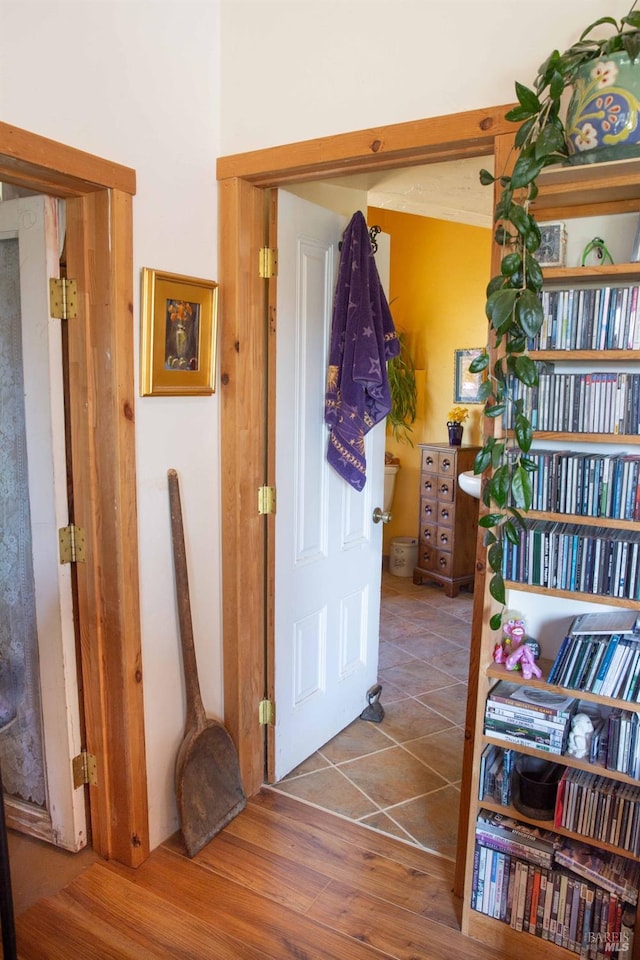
{"points": [[401, 372], [602, 116]]}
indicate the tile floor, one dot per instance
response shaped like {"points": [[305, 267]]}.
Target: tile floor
{"points": [[402, 776]]}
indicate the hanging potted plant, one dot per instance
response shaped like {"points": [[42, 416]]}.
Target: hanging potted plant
{"points": [[603, 117], [401, 372]]}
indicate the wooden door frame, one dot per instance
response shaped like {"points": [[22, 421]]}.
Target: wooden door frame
{"points": [[98, 197], [246, 433]]}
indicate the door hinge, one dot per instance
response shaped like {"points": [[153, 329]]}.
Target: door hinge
{"points": [[267, 713], [63, 298], [85, 770], [268, 263], [266, 500], [71, 540]]}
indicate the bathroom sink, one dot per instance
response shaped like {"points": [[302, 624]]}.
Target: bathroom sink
{"points": [[470, 483]]}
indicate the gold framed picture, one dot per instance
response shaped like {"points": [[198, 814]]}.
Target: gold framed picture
{"points": [[179, 335], [466, 385]]}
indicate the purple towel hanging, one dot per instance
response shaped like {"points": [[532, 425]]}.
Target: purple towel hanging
{"points": [[363, 338]]}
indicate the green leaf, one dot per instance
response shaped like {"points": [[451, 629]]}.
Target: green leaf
{"points": [[631, 44], [479, 363], [519, 218], [488, 538], [511, 532], [494, 555], [527, 98], [533, 238], [521, 488], [529, 313], [499, 486], [502, 236], [534, 272], [524, 434], [496, 454], [491, 520], [517, 114], [496, 621], [524, 131], [517, 342], [485, 390], [482, 460], [598, 23], [526, 370], [496, 283], [518, 516], [549, 141], [486, 178], [526, 169], [510, 264], [546, 69], [500, 305], [556, 85], [496, 588], [495, 411]]}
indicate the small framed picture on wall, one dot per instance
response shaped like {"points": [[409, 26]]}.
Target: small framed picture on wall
{"points": [[466, 385], [552, 251]]}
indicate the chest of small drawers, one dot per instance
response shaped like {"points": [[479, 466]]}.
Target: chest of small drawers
{"points": [[448, 518]]}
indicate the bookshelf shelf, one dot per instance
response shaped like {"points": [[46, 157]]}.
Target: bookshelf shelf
{"points": [[611, 272], [584, 521], [619, 438], [497, 671], [586, 389], [574, 595], [572, 356], [562, 758], [548, 825]]}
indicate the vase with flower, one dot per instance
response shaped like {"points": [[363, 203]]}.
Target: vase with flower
{"points": [[455, 421]]}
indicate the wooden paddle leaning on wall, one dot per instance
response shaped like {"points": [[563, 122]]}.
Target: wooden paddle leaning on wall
{"points": [[208, 786]]}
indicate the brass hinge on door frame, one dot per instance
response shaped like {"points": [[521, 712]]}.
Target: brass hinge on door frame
{"points": [[266, 500], [268, 263], [267, 713], [71, 541], [63, 298], [85, 770]]}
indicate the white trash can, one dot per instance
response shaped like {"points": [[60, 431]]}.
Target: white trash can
{"points": [[403, 556]]}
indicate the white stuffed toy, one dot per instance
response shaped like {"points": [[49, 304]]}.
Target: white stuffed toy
{"points": [[580, 736]]}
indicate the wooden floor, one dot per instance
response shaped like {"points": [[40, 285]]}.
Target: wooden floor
{"points": [[283, 880]]}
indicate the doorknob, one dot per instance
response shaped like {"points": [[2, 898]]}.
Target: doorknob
{"points": [[381, 515]]}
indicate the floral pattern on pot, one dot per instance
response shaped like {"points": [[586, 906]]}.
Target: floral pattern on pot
{"points": [[603, 114]]}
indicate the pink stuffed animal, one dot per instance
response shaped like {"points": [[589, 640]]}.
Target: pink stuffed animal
{"points": [[523, 657]]}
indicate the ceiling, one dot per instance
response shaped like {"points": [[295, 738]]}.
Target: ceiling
{"points": [[444, 191]]}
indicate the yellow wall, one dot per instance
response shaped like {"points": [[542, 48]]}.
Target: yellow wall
{"points": [[439, 273]]}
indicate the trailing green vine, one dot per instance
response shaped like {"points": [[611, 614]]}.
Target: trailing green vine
{"points": [[513, 306], [401, 372]]}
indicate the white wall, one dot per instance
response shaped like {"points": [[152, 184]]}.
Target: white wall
{"points": [[138, 83], [149, 84], [296, 69]]}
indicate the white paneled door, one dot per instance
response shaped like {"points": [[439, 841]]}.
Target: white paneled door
{"points": [[328, 549], [38, 675]]}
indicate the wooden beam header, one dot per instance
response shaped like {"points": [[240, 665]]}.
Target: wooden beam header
{"points": [[434, 139], [38, 163]]}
